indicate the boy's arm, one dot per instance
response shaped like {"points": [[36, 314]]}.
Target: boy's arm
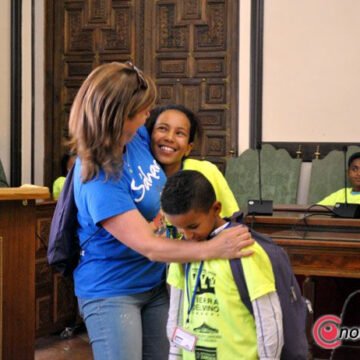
{"points": [[174, 319], [269, 328]]}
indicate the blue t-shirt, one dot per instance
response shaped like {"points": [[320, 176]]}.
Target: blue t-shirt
{"points": [[107, 267]]}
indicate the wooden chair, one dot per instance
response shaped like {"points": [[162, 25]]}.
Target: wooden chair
{"points": [[327, 174], [280, 176]]}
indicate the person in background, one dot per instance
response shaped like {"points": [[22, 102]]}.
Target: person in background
{"points": [[3, 182], [174, 129], [67, 161], [120, 279], [353, 192], [216, 323]]}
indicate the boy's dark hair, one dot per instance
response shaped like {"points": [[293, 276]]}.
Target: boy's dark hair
{"points": [[187, 190], [353, 157], [195, 125]]}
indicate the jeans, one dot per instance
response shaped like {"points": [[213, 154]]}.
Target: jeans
{"points": [[131, 327]]}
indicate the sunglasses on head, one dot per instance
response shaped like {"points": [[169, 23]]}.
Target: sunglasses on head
{"points": [[140, 76]]}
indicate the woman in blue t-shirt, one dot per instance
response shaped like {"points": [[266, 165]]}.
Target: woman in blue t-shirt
{"points": [[120, 279]]}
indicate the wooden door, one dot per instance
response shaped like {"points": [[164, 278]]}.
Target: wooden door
{"points": [[191, 49], [189, 46]]}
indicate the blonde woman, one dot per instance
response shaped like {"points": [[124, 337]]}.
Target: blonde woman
{"points": [[120, 279]]}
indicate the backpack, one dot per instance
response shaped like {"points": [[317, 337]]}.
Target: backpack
{"points": [[293, 305], [63, 251]]}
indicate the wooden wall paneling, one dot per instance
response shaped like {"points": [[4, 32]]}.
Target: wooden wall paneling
{"points": [[17, 223], [55, 302], [17, 270], [82, 35], [43, 277], [191, 50]]}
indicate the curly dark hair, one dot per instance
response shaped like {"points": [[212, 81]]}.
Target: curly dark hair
{"points": [[195, 125], [353, 157], [187, 190]]}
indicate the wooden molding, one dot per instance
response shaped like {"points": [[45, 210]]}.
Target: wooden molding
{"points": [[25, 193]]}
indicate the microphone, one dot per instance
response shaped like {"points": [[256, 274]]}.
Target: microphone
{"points": [[260, 207], [346, 210]]}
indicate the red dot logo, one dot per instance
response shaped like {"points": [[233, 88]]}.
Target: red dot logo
{"points": [[326, 331]]}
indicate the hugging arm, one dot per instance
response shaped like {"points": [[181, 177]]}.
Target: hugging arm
{"points": [[132, 230]]}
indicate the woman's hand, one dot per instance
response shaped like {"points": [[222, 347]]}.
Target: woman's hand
{"points": [[231, 243], [134, 231]]}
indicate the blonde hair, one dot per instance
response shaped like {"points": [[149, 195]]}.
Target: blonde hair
{"points": [[110, 95]]}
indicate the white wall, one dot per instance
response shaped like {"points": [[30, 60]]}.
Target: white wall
{"points": [[5, 86], [26, 94], [311, 71], [5, 58], [244, 76], [39, 91]]}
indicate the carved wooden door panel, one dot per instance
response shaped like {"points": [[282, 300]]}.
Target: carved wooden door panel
{"points": [[189, 46], [81, 34], [191, 49]]}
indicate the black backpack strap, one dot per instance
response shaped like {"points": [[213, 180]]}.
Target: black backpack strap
{"points": [[236, 218], [237, 269], [239, 277]]}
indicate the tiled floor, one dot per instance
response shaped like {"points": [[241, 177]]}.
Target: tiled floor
{"points": [[55, 348]]}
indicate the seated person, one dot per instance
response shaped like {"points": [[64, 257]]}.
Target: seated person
{"points": [[67, 162], [353, 192], [216, 320], [3, 182]]}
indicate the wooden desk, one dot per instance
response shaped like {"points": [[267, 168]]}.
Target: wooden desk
{"points": [[319, 246], [17, 271]]}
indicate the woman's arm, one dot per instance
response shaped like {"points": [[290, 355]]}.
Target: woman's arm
{"points": [[132, 230]]}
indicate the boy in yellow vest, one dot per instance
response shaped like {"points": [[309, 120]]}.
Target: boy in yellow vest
{"points": [[353, 192], [216, 324]]}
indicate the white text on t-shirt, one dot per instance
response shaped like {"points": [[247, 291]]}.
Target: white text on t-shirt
{"points": [[146, 178]]}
